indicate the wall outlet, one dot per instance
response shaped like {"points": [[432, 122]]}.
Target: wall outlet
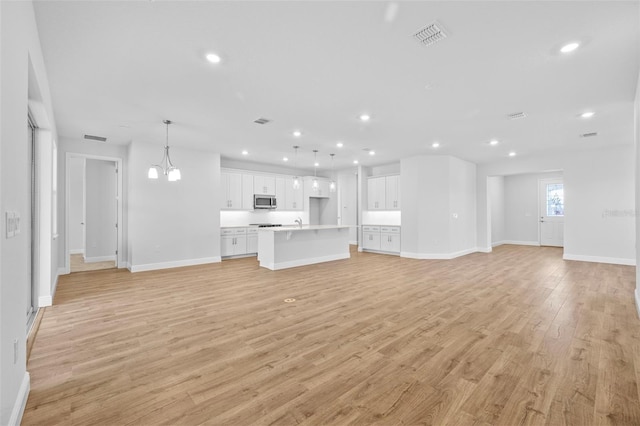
{"points": [[12, 224]]}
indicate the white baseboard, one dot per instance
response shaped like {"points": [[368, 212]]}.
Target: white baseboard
{"points": [[497, 243], [76, 251], [600, 259], [303, 262], [44, 301], [174, 264], [484, 249], [392, 253], [100, 259], [521, 243], [438, 256], [21, 401], [638, 300], [64, 270], [353, 243]]}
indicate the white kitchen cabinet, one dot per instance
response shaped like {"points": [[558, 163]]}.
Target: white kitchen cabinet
{"points": [[376, 187], [392, 192], [371, 237], [252, 240], [381, 238], [265, 185], [293, 199], [237, 191], [233, 241], [390, 239]]}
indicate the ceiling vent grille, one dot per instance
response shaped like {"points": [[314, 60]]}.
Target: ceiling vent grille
{"points": [[516, 116], [430, 34], [589, 135], [262, 120], [95, 138]]}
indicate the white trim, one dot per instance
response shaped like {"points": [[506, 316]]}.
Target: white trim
{"points": [[44, 301], [63, 270], [638, 300], [392, 253], [354, 242], [174, 264], [100, 259], [484, 249], [497, 243], [303, 262], [438, 256], [522, 243], [76, 251], [600, 259], [21, 401]]}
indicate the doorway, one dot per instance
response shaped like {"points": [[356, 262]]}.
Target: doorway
{"points": [[32, 286], [551, 212], [93, 213]]}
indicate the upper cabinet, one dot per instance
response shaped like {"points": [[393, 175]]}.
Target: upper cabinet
{"points": [[293, 199], [392, 190], [265, 185], [383, 193], [237, 191]]}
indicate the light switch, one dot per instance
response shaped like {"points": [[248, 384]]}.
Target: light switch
{"points": [[9, 224]]}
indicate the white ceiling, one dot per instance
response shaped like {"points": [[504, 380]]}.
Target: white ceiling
{"points": [[117, 69]]}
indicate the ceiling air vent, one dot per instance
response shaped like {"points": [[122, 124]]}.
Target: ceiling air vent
{"points": [[588, 135], [95, 138], [430, 34], [262, 120], [516, 115]]}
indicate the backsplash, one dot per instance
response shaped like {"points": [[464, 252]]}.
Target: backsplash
{"points": [[244, 218], [370, 217]]}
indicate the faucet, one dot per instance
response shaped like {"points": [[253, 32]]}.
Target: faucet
{"points": [[299, 221]]}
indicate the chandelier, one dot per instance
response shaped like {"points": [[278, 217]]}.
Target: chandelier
{"points": [[166, 166]]}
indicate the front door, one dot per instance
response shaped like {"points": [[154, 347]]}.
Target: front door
{"points": [[552, 212]]}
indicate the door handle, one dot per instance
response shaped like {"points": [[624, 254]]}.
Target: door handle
{"points": [[542, 221]]}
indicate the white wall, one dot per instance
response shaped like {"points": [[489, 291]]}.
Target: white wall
{"points": [[76, 205], [438, 207], [101, 214], [19, 45], [637, 183], [596, 182], [495, 188], [521, 204], [173, 223]]}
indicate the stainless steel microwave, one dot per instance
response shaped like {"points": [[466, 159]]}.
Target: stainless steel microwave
{"points": [[264, 201]]}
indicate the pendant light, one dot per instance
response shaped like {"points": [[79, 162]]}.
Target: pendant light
{"points": [[332, 185], [296, 179], [166, 166], [314, 184]]}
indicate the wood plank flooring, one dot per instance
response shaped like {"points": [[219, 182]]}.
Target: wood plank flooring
{"points": [[513, 337], [77, 264]]}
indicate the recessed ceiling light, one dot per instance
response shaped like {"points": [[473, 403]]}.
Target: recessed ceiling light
{"points": [[297, 133], [339, 144], [493, 142], [245, 152], [316, 164], [569, 47], [365, 117], [213, 58], [435, 144], [587, 114], [285, 159], [372, 153], [355, 161], [512, 154]]}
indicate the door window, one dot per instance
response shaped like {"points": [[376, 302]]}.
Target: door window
{"points": [[555, 199]]}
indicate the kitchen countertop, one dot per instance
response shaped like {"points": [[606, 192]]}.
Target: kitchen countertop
{"points": [[303, 228]]}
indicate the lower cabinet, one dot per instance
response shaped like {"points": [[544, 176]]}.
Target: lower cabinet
{"points": [[381, 238], [233, 241], [252, 240]]}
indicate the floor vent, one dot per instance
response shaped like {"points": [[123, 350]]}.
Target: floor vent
{"points": [[262, 120], [430, 34], [589, 135], [516, 116], [95, 138]]}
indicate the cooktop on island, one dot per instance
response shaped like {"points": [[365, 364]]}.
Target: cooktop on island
{"points": [[265, 225]]}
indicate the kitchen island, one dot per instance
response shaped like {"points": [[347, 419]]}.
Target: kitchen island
{"points": [[291, 246]]}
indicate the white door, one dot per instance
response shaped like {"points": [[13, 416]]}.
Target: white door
{"points": [[552, 212]]}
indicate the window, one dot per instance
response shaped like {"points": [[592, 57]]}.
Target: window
{"points": [[555, 199]]}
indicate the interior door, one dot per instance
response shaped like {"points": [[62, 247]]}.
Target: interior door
{"points": [[552, 212]]}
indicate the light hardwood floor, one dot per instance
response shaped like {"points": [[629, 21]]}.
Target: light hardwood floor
{"points": [[78, 264], [517, 336]]}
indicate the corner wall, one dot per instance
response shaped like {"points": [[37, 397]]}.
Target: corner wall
{"points": [[19, 47], [637, 182]]}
